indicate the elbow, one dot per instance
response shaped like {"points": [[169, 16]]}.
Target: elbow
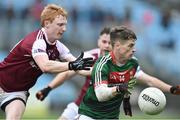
{"points": [[100, 97], [103, 93], [44, 68]]}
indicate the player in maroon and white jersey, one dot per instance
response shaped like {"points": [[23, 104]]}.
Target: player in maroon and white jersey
{"points": [[37, 53], [72, 108]]}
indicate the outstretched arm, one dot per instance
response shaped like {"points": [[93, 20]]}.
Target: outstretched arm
{"points": [[59, 80], [51, 66], [155, 82], [61, 77]]}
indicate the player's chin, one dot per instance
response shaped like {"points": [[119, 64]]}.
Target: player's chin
{"points": [[59, 35], [130, 56]]}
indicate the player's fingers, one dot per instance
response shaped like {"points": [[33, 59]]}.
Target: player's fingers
{"points": [[88, 65], [88, 59], [80, 56], [39, 95], [86, 68]]}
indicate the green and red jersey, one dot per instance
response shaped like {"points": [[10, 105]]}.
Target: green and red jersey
{"points": [[105, 71]]}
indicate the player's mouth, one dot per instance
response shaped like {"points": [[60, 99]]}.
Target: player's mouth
{"points": [[60, 34], [107, 50]]}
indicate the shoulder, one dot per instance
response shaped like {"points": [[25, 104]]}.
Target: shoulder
{"points": [[134, 59], [31, 38], [34, 35], [94, 53], [134, 62], [60, 46], [104, 59], [102, 64]]}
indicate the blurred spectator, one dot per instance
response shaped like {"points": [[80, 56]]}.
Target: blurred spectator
{"points": [[110, 19], [25, 13], [166, 25], [1, 10], [10, 17], [10, 14], [148, 18], [127, 18], [96, 16], [74, 14], [36, 10]]}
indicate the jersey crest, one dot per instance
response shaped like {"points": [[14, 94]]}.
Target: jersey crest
{"points": [[121, 77]]}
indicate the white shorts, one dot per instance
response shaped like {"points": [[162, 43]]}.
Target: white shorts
{"points": [[70, 112], [84, 117], [7, 97]]}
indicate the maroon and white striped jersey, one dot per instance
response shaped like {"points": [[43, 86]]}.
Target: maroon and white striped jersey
{"points": [[18, 71]]}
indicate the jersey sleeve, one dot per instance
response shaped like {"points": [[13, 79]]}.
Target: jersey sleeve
{"points": [[138, 72], [39, 48], [101, 72], [92, 53], [64, 51]]}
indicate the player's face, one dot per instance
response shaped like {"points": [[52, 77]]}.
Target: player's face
{"points": [[104, 43], [56, 28], [124, 52]]}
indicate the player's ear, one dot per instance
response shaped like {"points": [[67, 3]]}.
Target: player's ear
{"points": [[98, 42], [46, 23]]}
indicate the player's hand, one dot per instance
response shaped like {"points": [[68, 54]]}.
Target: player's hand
{"points": [[127, 106], [131, 84], [175, 90], [41, 95], [122, 87], [81, 63], [126, 87]]}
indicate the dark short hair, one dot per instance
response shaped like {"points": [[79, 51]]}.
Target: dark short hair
{"points": [[121, 33], [105, 30]]}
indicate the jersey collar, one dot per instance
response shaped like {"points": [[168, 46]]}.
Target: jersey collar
{"points": [[114, 60], [113, 57], [47, 37]]}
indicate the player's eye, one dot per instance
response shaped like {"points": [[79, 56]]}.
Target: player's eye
{"points": [[104, 41], [131, 45], [60, 24]]}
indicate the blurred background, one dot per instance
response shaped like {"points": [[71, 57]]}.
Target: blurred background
{"points": [[156, 23]]}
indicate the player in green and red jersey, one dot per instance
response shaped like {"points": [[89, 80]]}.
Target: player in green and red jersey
{"points": [[114, 76]]}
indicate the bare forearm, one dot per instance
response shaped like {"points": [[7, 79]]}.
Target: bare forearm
{"points": [[84, 72], [160, 84], [104, 93], [55, 66], [154, 82], [60, 78]]}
